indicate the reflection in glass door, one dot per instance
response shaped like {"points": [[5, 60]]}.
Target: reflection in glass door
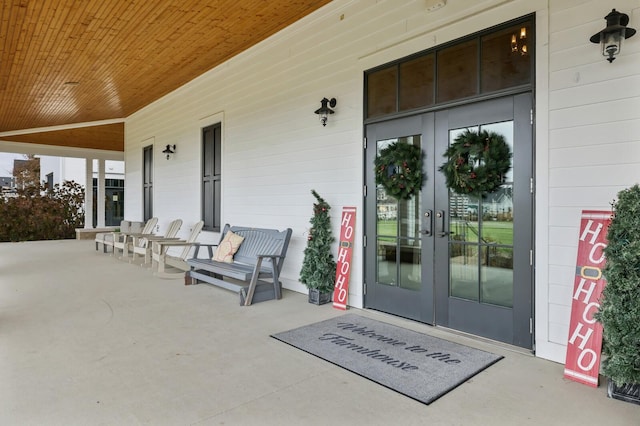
{"points": [[398, 230], [481, 236]]}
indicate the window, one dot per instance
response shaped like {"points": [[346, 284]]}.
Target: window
{"points": [[147, 184], [486, 62], [504, 68], [382, 91], [114, 201], [458, 71], [417, 78], [50, 181], [211, 176]]}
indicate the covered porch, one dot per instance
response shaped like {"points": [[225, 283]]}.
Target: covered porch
{"points": [[88, 339]]}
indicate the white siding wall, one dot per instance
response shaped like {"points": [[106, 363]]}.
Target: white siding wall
{"points": [[275, 151], [593, 147]]}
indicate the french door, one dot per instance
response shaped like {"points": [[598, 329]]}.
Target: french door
{"points": [[461, 262]]}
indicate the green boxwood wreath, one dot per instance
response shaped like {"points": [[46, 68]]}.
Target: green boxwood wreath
{"points": [[476, 163], [398, 169]]}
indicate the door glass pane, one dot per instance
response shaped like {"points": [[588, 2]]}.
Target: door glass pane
{"points": [[382, 90], [399, 229], [463, 270], [497, 233], [497, 275], [481, 237], [386, 261], [409, 228]]}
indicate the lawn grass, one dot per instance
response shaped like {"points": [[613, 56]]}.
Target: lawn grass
{"points": [[492, 231]]}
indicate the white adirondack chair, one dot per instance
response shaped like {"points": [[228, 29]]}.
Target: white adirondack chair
{"points": [[161, 259], [106, 238], [141, 244], [122, 241]]}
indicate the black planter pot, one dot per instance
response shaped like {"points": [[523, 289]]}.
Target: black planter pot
{"points": [[319, 298], [628, 393]]}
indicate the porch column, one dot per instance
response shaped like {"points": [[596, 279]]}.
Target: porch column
{"points": [[88, 194], [101, 194]]}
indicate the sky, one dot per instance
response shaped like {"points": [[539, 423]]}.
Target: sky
{"points": [[6, 163]]}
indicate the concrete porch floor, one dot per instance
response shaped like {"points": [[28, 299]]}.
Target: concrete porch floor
{"points": [[86, 339]]}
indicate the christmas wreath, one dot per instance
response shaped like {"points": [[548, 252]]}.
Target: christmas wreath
{"points": [[398, 169], [476, 163]]}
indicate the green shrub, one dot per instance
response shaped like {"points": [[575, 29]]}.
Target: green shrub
{"points": [[619, 310]]}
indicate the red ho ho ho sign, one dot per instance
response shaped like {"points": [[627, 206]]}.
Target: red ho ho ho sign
{"points": [[582, 363], [345, 250]]}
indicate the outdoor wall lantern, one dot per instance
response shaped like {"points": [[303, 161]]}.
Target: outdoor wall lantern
{"points": [[169, 150], [612, 36], [324, 111]]}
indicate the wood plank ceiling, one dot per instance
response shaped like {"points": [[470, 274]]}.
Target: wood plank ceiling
{"points": [[67, 61]]}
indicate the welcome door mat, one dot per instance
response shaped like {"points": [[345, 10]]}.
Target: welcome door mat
{"points": [[419, 366]]}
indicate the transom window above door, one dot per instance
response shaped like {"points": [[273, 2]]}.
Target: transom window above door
{"points": [[491, 61]]}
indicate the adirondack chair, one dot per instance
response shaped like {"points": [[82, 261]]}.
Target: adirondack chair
{"points": [[106, 238], [141, 244], [161, 258], [122, 241]]}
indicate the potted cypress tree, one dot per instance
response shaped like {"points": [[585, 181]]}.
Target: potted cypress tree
{"points": [[318, 271], [619, 311]]}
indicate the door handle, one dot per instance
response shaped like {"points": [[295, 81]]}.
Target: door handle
{"points": [[440, 216], [428, 223]]}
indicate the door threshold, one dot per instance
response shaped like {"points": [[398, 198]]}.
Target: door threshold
{"points": [[506, 346], [445, 332]]}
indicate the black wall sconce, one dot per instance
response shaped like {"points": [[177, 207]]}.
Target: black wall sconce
{"points": [[169, 150], [612, 36], [325, 109]]}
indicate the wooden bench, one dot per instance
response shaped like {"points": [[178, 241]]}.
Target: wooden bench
{"points": [[259, 257]]}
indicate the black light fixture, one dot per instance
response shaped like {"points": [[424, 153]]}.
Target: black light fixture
{"points": [[325, 109], [611, 37], [169, 150]]}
